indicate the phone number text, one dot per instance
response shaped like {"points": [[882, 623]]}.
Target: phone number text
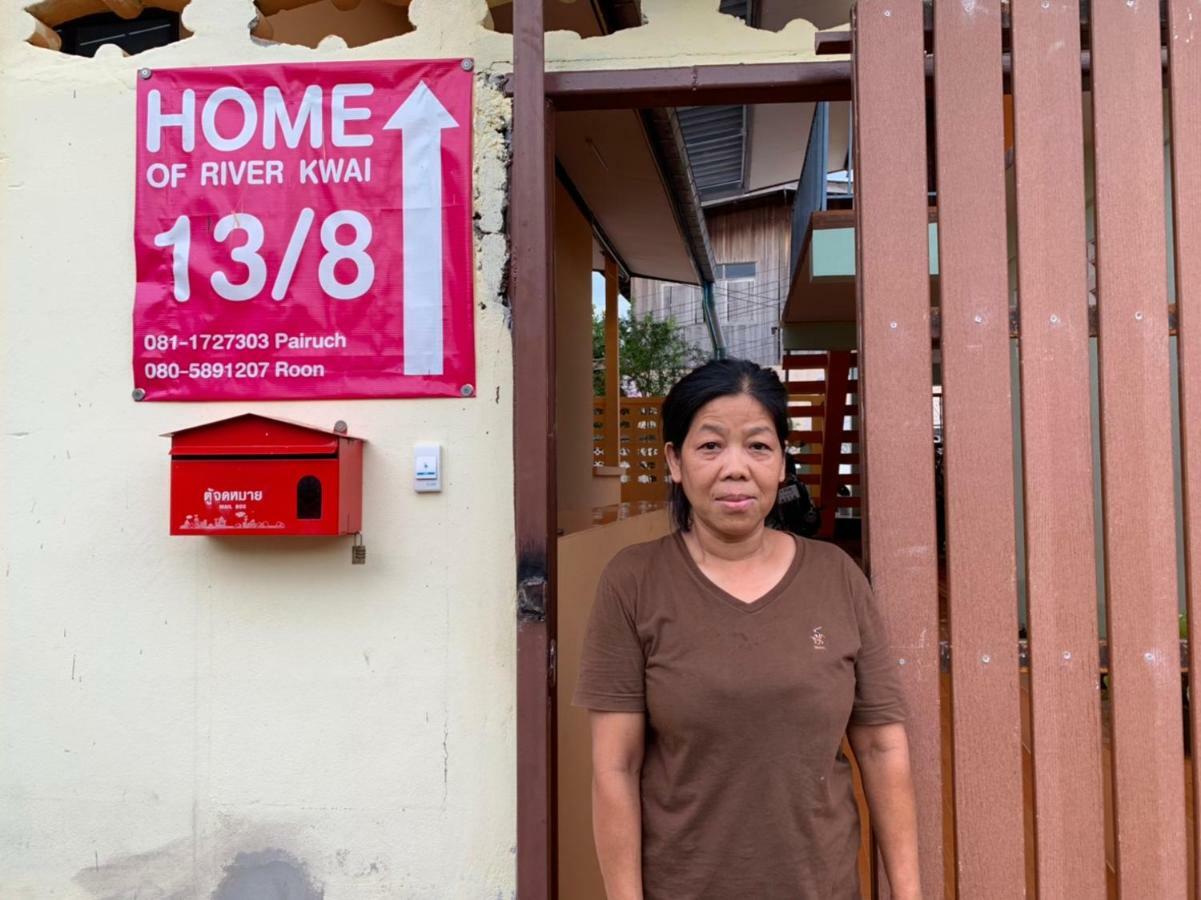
{"points": [[251, 340], [170, 371]]}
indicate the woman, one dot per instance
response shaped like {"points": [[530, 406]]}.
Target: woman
{"points": [[722, 666]]}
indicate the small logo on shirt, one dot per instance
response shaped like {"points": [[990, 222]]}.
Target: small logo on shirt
{"points": [[819, 639]]}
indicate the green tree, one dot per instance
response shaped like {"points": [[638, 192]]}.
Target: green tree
{"points": [[598, 356], [654, 354]]}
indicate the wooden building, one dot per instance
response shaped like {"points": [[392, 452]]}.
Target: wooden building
{"points": [[751, 241]]}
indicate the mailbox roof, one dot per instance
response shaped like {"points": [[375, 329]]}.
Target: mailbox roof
{"points": [[252, 434]]}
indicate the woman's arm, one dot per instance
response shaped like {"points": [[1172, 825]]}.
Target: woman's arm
{"points": [[882, 752], [617, 746]]}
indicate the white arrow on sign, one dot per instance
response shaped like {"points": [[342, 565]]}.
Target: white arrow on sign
{"points": [[420, 119]]}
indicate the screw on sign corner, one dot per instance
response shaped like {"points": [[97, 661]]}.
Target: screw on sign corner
{"points": [[144, 73], [467, 390], [139, 394], [468, 65]]}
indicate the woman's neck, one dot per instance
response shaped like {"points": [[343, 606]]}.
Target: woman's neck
{"points": [[710, 545]]}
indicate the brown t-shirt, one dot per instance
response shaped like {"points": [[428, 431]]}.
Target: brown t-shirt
{"points": [[745, 791]]}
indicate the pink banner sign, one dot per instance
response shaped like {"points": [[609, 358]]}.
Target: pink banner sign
{"points": [[303, 231]]}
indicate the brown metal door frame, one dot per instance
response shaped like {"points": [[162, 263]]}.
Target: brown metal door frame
{"points": [[535, 511], [537, 95]]}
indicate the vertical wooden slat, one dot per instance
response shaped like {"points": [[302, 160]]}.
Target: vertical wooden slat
{"points": [[1057, 450], [1136, 439], [612, 366], [838, 367], [534, 457], [897, 433], [978, 434], [1184, 61]]}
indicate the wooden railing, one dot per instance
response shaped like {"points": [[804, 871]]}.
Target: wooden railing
{"points": [[821, 396], [640, 448]]}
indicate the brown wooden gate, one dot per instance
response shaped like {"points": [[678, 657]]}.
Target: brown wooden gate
{"points": [[1033, 779], [1084, 745]]}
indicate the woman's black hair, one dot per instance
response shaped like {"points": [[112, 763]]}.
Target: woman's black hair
{"points": [[715, 379]]}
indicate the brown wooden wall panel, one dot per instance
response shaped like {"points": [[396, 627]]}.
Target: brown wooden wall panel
{"points": [[977, 429], [895, 385], [1136, 436], [1184, 61], [759, 233], [1057, 450], [749, 309]]}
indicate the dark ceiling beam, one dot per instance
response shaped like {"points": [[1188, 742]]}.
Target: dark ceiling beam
{"points": [[805, 82], [717, 85]]}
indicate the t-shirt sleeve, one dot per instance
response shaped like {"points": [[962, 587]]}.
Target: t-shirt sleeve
{"points": [[612, 666], [878, 696]]}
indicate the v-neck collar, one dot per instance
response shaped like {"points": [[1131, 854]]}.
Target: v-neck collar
{"points": [[708, 587]]}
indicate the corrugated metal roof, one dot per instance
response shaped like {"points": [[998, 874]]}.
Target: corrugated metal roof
{"points": [[715, 137]]}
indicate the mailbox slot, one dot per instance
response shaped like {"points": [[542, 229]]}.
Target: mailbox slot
{"points": [[308, 497], [255, 475]]}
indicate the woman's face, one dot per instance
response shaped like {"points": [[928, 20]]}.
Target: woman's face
{"points": [[730, 465]]}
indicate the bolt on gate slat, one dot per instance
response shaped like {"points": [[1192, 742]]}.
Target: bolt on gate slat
{"points": [[978, 440], [1136, 437], [1057, 450], [895, 382], [1184, 61]]}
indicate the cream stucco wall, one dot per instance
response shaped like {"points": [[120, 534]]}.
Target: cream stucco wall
{"points": [[179, 714], [683, 33]]}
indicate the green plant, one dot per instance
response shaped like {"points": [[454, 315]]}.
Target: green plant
{"points": [[653, 353]]}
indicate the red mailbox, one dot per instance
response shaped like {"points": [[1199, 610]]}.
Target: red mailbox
{"points": [[255, 475]]}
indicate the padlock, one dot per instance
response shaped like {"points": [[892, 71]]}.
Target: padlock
{"points": [[358, 551]]}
